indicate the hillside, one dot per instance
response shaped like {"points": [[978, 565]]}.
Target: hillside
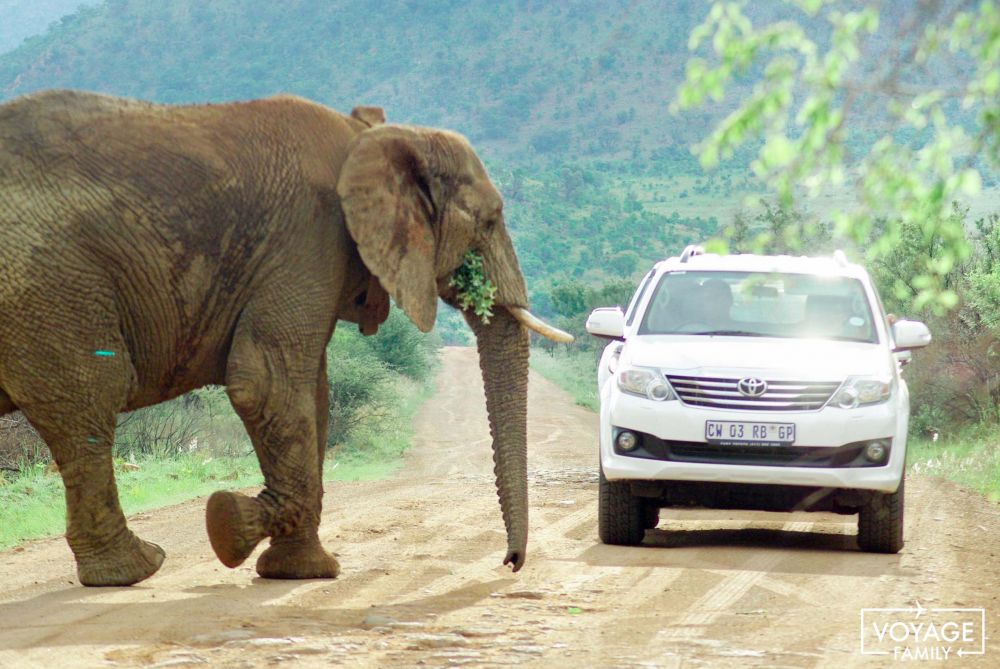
{"points": [[536, 86], [566, 102], [586, 78], [20, 19]]}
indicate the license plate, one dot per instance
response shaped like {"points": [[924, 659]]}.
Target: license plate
{"points": [[741, 433]]}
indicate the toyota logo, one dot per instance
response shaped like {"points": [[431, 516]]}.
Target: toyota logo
{"points": [[752, 386]]}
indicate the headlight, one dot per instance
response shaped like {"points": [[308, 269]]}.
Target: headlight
{"points": [[861, 390], [645, 382]]}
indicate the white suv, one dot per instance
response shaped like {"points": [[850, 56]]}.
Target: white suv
{"points": [[754, 382]]}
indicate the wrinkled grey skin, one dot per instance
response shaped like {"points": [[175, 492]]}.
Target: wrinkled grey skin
{"points": [[150, 250]]}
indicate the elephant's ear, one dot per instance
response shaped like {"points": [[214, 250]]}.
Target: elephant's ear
{"points": [[386, 198]]}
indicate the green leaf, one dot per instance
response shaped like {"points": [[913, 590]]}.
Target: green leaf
{"points": [[716, 245], [948, 299], [475, 291], [777, 152], [810, 7], [971, 182]]}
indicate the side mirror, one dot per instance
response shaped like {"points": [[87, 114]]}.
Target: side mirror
{"points": [[910, 334], [607, 322]]}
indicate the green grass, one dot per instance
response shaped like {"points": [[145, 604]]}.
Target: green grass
{"points": [[33, 506], [573, 371], [970, 458]]}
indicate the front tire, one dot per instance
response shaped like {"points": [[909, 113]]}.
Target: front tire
{"points": [[622, 518], [880, 522], [652, 517]]}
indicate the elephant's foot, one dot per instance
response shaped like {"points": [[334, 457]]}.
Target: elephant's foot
{"points": [[288, 557], [235, 526], [124, 563]]}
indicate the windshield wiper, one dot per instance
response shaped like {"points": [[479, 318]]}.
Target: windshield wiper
{"points": [[731, 333]]}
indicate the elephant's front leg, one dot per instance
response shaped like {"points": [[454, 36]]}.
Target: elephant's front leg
{"points": [[299, 554], [275, 392]]}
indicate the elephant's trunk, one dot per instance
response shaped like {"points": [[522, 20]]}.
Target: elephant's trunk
{"points": [[503, 358]]}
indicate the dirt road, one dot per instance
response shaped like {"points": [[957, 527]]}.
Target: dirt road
{"points": [[422, 583]]}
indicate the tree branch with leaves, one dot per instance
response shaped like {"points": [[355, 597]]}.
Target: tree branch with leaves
{"points": [[925, 73]]}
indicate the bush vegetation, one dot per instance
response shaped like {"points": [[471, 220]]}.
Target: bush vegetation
{"points": [[365, 376]]}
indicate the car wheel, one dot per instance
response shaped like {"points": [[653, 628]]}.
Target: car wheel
{"points": [[652, 515], [880, 522], [622, 518]]}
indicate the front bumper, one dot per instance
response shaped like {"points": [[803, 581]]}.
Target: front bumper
{"points": [[828, 427]]}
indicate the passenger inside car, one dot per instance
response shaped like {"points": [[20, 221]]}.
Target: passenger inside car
{"points": [[832, 316]]}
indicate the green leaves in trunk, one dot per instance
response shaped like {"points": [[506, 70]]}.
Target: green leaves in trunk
{"points": [[475, 291]]}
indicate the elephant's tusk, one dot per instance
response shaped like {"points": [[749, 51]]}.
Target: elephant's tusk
{"points": [[532, 322]]}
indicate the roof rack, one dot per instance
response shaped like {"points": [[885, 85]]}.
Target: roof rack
{"points": [[840, 258], [691, 250]]}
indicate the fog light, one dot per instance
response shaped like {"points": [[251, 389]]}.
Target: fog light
{"points": [[626, 440], [876, 451]]}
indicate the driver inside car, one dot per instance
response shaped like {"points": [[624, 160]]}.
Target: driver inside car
{"points": [[715, 300]]}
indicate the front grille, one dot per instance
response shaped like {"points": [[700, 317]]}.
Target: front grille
{"points": [[850, 455], [721, 393], [847, 455]]}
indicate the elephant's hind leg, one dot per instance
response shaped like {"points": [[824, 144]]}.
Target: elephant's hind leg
{"points": [[274, 391], [73, 401], [107, 552]]}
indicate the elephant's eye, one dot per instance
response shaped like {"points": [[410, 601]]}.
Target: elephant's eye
{"points": [[492, 219]]}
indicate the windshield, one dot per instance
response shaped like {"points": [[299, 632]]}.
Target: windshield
{"points": [[759, 304]]}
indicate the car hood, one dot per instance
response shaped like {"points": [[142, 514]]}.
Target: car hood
{"points": [[805, 359]]}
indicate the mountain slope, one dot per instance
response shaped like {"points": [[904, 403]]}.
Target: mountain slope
{"points": [[20, 19], [532, 77]]}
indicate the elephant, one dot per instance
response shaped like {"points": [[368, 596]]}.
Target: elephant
{"points": [[148, 250]]}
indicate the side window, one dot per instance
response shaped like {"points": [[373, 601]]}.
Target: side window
{"points": [[630, 312]]}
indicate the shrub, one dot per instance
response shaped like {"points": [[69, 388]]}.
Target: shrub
{"points": [[360, 386], [954, 380], [20, 445], [160, 431], [573, 300], [450, 328], [403, 348]]}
